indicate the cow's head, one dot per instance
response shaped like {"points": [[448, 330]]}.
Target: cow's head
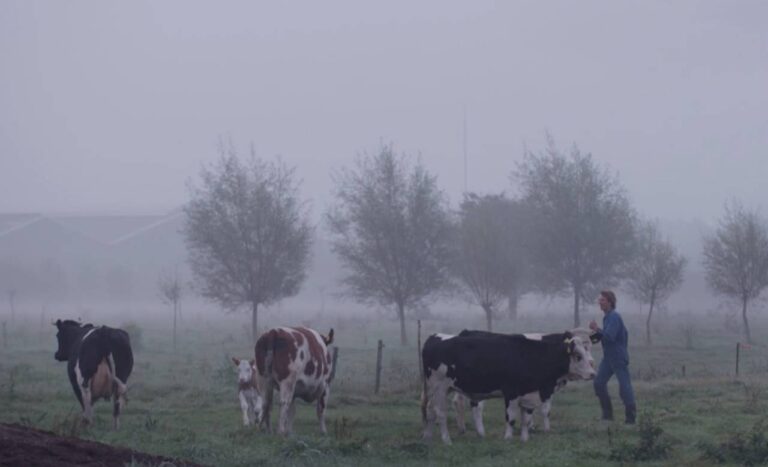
{"points": [[67, 335], [246, 371], [582, 365]]}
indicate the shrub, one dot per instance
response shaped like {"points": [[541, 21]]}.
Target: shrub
{"points": [[653, 444], [745, 448]]}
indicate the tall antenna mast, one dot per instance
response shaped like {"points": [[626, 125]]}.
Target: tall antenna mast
{"points": [[464, 144]]}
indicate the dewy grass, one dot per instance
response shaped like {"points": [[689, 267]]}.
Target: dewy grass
{"points": [[184, 403]]}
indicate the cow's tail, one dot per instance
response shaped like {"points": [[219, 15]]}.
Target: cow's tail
{"points": [[265, 352]]}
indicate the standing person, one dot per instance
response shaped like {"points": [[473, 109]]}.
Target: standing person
{"points": [[614, 338]]}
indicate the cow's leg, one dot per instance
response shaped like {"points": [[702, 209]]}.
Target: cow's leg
{"points": [[427, 416], [119, 390], [510, 405], [85, 392], [322, 403], [459, 404], [525, 420], [252, 407], [245, 406], [441, 413], [546, 407], [477, 417], [287, 388], [291, 416], [266, 406], [438, 402]]}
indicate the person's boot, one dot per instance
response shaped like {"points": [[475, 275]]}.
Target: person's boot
{"points": [[607, 407], [631, 412]]}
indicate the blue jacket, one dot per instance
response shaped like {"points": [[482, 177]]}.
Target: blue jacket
{"points": [[615, 340]]}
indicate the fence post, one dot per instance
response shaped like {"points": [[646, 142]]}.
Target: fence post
{"points": [[418, 348], [683, 371], [738, 346], [333, 365], [378, 366]]}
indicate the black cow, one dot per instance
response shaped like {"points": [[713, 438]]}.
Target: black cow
{"points": [[99, 362], [541, 399], [497, 365]]}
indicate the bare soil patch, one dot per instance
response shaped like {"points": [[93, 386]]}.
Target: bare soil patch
{"points": [[21, 445]]}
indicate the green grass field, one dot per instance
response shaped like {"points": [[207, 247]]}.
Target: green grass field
{"points": [[183, 403]]}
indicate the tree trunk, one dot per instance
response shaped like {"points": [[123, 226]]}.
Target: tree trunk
{"points": [[401, 316], [488, 317], [744, 301], [512, 299], [254, 321], [175, 312], [648, 322], [576, 303]]}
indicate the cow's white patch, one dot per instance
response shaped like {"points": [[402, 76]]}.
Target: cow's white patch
{"points": [[88, 334], [438, 385], [534, 336], [444, 337]]}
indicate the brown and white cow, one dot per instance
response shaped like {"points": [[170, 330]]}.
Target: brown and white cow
{"points": [[296, 362], [250, 400]]}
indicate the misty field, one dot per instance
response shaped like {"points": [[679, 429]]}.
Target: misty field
{"points": [[183, 402]]}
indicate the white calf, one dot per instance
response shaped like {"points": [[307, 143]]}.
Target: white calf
{"points": [[250, 401]]}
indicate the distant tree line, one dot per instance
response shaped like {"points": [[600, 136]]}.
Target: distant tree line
{"points": [[566, 227]]}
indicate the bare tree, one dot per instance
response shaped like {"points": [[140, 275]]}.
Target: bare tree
{"points": [[736, 258], [247, 232], [170, 288], [392, 232], [583, 221], [490, 259], [655, 273]]}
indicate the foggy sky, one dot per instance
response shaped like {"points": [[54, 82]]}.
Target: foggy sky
{"points": [[113, 106]]}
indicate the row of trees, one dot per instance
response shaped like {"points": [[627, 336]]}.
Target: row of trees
{"points": [[568, 228]]}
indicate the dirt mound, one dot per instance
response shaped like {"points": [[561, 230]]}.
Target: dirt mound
{"points": [[21, 445]]}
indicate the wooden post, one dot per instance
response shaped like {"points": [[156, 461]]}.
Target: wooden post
{"points": [[683, 371], [378, 366], [738, 347], [333, 365]]}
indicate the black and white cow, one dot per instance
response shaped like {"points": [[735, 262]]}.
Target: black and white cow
{"points": [[531, 401], [497, 365], [99, 362]]}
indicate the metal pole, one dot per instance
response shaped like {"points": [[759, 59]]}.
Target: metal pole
{"points": [[378, 366]]}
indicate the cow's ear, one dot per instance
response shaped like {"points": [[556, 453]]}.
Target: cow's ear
{"points": [[253, 363], [236, 361]]}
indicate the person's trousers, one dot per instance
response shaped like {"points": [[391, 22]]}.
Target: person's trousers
{"points": [[604, 374]]}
